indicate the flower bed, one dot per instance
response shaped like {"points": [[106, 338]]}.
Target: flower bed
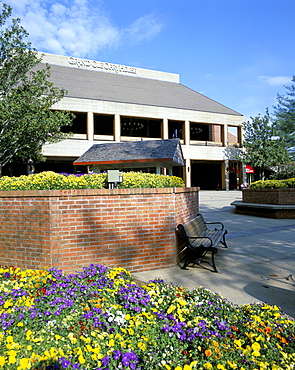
{"points": [[273, 184], [55, 181], [100, 319], [270, 198]]}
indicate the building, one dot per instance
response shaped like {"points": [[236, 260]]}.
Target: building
{"points": [[116, 103]]}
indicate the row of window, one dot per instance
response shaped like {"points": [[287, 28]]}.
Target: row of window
{"points": [[150, 128]]}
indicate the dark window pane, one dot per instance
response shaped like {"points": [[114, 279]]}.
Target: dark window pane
{"points": [[175, 129], [139, 127], [79, 125], [200, 132], [103, 125]]}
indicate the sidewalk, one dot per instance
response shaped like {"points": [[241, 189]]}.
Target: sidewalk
{"points": [[258, 266]]}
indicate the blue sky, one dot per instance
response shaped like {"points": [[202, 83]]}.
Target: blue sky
{"points": [[238, 52]]}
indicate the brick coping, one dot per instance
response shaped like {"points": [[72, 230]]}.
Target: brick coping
{"points": [[285, 207], [87, 192]]}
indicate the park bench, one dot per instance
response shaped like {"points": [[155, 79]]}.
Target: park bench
{"points": [[200, 240]]}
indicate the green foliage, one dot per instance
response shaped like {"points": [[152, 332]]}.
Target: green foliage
{"points": [[26, 96], [149, 180], [285, 116], [52, 181], [273, 184], [263, 147]]}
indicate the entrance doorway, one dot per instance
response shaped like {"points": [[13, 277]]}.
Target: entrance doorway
{"points": [[206, 174]]}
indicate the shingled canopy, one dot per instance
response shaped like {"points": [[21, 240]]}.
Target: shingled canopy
{"points": [[133, 154]]}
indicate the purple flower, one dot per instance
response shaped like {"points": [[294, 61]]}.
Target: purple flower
{"points": [[117, 354], [105, 361]]}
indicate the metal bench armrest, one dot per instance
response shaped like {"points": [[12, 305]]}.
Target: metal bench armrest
{"points": [[214, 223]]}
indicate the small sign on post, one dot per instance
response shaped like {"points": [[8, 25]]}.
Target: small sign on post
{"points": [[114, 178]]}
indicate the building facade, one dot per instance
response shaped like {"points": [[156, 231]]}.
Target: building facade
{"points": [[117, 103]]}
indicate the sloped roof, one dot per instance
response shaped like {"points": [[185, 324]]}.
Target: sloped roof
{"points": [[88, 84], [134, 152]]}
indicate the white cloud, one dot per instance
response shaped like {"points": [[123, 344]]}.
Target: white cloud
{"points": [[78, 27], [276, 80], [144, 28]]}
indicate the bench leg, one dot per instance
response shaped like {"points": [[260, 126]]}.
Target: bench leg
{"points": [[186, 263], [200, 260], [213, 262], [223, 241]]}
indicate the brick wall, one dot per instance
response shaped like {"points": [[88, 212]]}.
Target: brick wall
{"points": [[69, 229], [269, 196]]}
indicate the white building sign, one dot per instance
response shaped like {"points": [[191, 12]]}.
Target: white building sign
{"points": [[105, 66]]}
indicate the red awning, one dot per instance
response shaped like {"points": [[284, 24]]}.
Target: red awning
{"points": [[249, 169]]}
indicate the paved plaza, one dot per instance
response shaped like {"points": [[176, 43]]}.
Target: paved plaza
{"points": [[258, 266]]}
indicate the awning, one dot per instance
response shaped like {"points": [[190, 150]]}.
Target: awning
{"points": [[249, 169]]}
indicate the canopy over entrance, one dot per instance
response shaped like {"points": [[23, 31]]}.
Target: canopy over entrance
{"points": [[133, 154]]}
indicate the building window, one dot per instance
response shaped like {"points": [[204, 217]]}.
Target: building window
{"points": [[200, 132], [217, 133], [233, 135], [103, 124], [79, 125], [175, 129], [141, 127]]}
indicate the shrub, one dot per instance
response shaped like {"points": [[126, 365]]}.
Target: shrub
{"points": [[273, 184], [51, 181], [100, 319]]}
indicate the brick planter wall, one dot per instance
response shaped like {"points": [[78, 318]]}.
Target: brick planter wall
{"points": [[269, 196], [271, 203], [69, 229]]}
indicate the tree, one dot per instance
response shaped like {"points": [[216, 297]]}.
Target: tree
{"points": [[285, 116], [263, 148], [26, 96]]}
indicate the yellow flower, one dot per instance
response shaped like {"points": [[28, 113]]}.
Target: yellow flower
{"points": [[171, 308], [29, 334], [2, 361], [9, 339], [256, 346], [81, 359], [221, 367], [72, 338], [142, 346], [25, 363], [207, 366], [232, 365]]}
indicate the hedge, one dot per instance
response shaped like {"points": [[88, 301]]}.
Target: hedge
{"points": [[53, 181]]}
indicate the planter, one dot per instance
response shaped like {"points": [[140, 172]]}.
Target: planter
{"points": [[271, 203], [69, 229]]}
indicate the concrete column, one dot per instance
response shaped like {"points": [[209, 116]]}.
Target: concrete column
{"points": [[188, 181], [225, 135], [90, 126], [158, 170], [170, 170], [227, 174], [165, 129], [117, 128], [186, 132]]}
